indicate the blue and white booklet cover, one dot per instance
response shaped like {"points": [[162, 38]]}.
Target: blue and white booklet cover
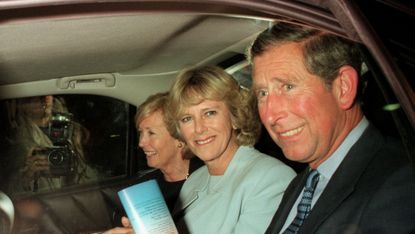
{"points": [[146, 209]]}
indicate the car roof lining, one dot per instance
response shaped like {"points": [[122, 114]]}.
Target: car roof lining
{"points": [[134, 47]]}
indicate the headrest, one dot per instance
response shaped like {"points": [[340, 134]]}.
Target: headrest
{"points": [[6, 214]]}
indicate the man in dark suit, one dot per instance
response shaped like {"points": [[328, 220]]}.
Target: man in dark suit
{"points": [[307, 85]]}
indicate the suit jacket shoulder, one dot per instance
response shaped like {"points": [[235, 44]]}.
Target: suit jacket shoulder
{"points": [[370, 192]]}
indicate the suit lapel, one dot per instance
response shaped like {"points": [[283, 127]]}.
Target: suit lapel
{"points": [[344, 180]]}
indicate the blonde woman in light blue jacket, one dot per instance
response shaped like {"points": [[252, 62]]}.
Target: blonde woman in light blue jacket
{"points": [[239, 189]]}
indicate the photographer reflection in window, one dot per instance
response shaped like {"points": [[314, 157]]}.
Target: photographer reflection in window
{"points": [[46, 145]]}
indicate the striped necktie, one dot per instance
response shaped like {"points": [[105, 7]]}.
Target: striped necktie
{"points": [[304, 207]]}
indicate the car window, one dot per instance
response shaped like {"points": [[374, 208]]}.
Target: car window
{"points": [[399, 43], [51, 142]]}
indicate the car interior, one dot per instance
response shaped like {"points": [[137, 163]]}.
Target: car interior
{"points": [[103, 58]]}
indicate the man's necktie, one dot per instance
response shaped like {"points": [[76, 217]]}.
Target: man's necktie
{"points": [[304, 207]]}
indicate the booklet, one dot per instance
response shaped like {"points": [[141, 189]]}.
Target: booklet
{"points": [[146, 208]]}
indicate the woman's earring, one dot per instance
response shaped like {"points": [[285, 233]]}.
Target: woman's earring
{"points": [[180, 145]]}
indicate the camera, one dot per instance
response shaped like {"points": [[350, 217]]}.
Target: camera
{"points": [[60, 159], [61, 155], [60, 128]]}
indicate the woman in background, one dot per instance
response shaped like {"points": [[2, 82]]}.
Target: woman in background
{"points": [[169, 157], [31, 135], [163, 151]]}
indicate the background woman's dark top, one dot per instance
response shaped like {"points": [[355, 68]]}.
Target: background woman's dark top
{"points": [[170, 190]]}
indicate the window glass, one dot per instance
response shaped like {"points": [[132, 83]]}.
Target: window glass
{"points": [[400, 43], [50, 142]]}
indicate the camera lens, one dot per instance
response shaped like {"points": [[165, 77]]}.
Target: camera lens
{"points": [[56, 157]]}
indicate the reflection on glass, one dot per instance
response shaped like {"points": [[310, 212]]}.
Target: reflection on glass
{"points": [[47, 144]]}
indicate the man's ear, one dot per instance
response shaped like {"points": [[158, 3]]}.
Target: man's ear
{"points": [[345, 86]]}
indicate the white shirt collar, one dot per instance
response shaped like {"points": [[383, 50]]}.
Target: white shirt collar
{"points": [[328, 167]]}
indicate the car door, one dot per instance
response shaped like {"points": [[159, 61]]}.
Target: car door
{"points": [[92, 156]]}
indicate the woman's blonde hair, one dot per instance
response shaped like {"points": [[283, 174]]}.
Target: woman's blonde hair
{"points": [[154, 103], [194, 85]]}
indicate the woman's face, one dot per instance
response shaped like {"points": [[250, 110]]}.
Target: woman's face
{"points": [[37, 107], [158, 145], [207, 130]]}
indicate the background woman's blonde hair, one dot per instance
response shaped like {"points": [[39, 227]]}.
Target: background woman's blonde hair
{"points": [[194, 85], [154, 103]]}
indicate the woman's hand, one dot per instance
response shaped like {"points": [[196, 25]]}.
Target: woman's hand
{"points": [[127, 229], [35, 163]]}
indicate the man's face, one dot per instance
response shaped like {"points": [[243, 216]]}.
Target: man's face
{"points": [[299, 112]]}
